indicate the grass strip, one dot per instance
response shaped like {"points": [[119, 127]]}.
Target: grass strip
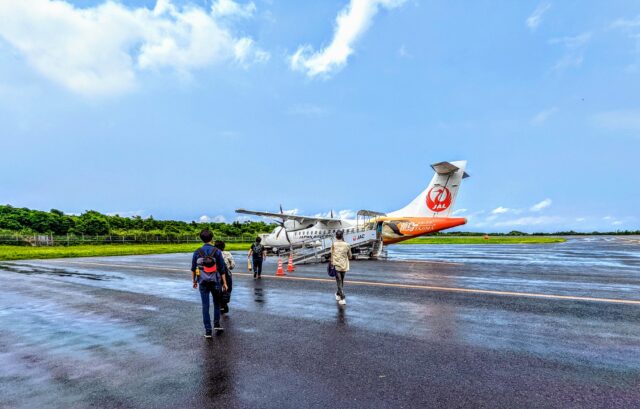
{"points": [[30, 253], [482, 240]]}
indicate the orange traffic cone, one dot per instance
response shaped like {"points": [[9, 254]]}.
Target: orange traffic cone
{"points": [[290, 267], [279, 272]]}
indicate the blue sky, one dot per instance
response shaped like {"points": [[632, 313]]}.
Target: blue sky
{"points": [[137, 107]]}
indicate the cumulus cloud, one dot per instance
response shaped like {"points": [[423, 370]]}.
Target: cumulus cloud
{"points": [[541, 205], [459, 211], [216, 219], [340, 214], [574, 48], [534, 20], [127, 213], [500, 210], [222, 8], [101, 50], [351, 23]]}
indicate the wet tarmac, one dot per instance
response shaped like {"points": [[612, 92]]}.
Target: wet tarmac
{"points": [[505, 326]]}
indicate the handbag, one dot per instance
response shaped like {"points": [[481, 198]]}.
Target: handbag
{"points": [[331, 269]]}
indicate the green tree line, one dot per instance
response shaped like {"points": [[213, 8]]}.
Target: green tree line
{"points": [[55, 222]]}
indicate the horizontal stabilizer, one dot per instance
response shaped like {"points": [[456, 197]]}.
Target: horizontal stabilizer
{"points": [[370, 213], [447, 168]]}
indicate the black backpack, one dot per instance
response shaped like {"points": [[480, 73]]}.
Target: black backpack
{"points": [[257, 250]]}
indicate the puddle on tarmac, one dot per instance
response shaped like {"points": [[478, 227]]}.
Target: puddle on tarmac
{"points": [[54, 271]]}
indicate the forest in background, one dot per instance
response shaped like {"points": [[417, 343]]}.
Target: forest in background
{"points": [[23, 221]]}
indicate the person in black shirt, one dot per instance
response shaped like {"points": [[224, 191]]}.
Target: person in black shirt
{"points": [[258, 253]]}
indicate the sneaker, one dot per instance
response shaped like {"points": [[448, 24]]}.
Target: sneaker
{"points": [[342, 302], [337, 297], [207, 334], [218, 328]]}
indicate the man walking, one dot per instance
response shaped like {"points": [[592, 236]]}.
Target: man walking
{"points": [[258, 253], [208, 273], [340, 255], [230, 264]]}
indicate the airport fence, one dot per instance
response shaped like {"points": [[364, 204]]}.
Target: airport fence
{"points": [[74, 240]]}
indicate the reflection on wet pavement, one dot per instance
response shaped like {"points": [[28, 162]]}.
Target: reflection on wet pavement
{"points": [[115, 332]]}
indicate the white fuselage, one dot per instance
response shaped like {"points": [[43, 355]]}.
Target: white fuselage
{"points": [[278, 237]]}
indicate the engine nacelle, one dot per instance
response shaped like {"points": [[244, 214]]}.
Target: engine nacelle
{"points": [[293, 225]]}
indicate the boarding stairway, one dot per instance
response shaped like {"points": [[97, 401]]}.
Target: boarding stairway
{"points": [[364, 244]]}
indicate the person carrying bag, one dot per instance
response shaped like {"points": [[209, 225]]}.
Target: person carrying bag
{"points": [[339, 264]]}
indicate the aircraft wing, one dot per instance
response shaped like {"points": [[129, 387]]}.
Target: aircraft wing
{"points": [[298, 218]]}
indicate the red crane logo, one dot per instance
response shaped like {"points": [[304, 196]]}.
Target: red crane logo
{"points": [[438, 198]]}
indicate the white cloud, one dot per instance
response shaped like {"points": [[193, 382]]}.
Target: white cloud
{"points": [[127, 213], [101, 50], [534, 20], [617, 223], [581, 219], [622, 120], [574, 50], [541, 205], [351, 22], [216, 219], [542, 116], [500, 210], [222, 8], [245, 218], [341, 214], [459, 211]]}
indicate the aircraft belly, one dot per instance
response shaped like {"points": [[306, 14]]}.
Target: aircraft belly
{"points": [[401, 229]]}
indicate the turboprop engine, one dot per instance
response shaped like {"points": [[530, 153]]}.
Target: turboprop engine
{"points": [[293, 225]]}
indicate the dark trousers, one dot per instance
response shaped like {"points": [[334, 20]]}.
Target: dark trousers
{"points": [[257, 267], [340, 282], [205, 290]]}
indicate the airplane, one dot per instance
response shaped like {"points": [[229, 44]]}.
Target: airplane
{"points": [[428, 213]]}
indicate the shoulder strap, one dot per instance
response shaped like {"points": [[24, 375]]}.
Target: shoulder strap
{"points": [[201, 252]]}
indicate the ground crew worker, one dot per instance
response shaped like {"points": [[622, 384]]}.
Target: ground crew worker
{"points": [[340, 255], [258, 253], [208, 273], [230, 263]]}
